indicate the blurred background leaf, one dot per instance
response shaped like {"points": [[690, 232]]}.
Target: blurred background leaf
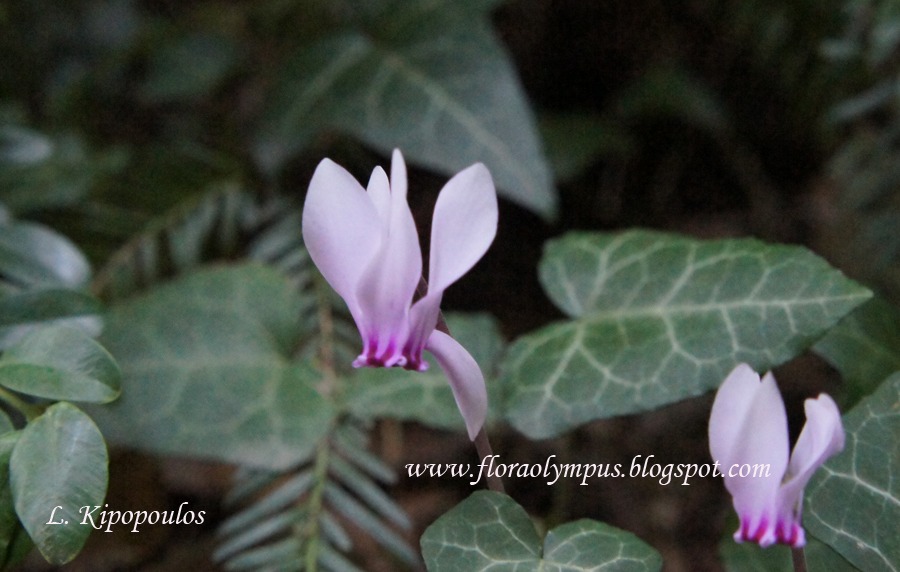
{"points": [[205, 361]]}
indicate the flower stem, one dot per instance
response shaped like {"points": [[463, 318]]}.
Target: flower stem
{"points": [[482, 443], [483, 446], [798, 557]]}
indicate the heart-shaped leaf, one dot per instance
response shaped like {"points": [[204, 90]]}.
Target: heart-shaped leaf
{"points": [[660, 317], [489, 531]]}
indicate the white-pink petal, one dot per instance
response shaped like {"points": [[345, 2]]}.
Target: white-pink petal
{"points": [[341, 228], [821, 438], [379, 190], [464, 225], [385, 290], [748, 422], [465, 377]]}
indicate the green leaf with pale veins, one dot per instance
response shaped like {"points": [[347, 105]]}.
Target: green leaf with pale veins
{"points": [[426, 396], [853, 501], [428, 77], [59, 460], [864, 347], [657, 318], [59, 362], [489, 531], [206, 370]]}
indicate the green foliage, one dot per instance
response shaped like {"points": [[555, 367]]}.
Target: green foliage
{"points": [[853, 501], [59, 460], [429, 78], [657, 318], [33, 256], [865, 164], [233, 347], [58, 457], [59, 362], [489, 531], [189, 68], [864, 347], [293, 521], [207, 364], [238, 350], [40, 171]]}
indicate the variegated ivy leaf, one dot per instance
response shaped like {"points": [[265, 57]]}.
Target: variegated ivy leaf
{"points": [[657, 317], [489, 531]]}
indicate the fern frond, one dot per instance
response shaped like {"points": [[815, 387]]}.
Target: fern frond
{"points": [[297, 521], [225, 223]]}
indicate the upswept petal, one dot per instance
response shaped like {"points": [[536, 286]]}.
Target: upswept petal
{"points": [[465, 377], [464, 225], [822, 436], [385, 290], [748, 423], [379, 190], [398, 175], [341, 228]]}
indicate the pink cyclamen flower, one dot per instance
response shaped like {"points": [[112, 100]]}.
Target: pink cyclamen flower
{"points": [[365, 244], [748, 425]]}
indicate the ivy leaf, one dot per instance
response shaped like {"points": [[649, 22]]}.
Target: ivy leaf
{"points": [[429, 78], [206, 370], [657, 318], [864, 347], [489, 531], [426, 397], [853, 501], [59, 460], [58, 362]]}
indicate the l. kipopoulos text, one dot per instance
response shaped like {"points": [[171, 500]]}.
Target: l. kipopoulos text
{"points": [[105, 518], [552, 471]]}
